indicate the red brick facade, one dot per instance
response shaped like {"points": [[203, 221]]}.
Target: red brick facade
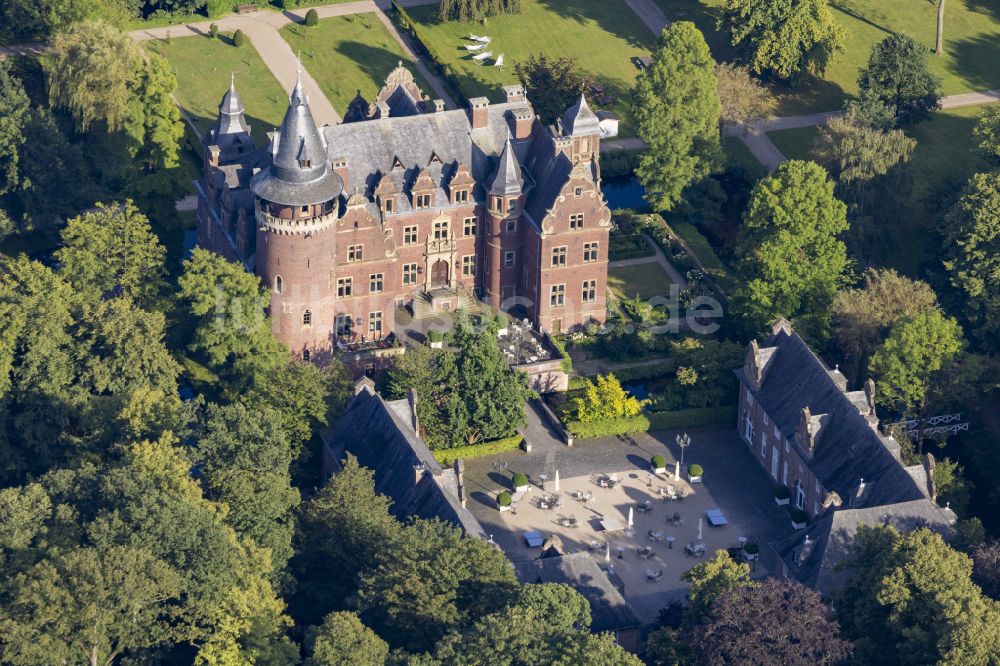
{"points": [[449, 215]]}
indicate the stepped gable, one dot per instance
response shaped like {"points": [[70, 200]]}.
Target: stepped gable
{"points": [[849, 448]]}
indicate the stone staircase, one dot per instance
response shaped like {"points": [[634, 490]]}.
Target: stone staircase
{"points": [[429, 304]]}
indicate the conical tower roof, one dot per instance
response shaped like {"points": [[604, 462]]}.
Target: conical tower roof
{"points": [[507, 180], [231, 120], [579, 119], [300, 172]]}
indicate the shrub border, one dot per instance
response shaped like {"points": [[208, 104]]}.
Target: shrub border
{"points": [[685, 418], [449, 456]]}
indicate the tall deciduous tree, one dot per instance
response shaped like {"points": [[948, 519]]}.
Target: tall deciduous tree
{"points": [[677, 112], [342, 530], [910, 368], [244, 458], [987, 134], [112, 249], [896, 75], [227, 304], [552, 84], [790, 257], [344, 639], [92, 70], [155, 126], [433, 580], [783, 39], [606, 400], [710, 580], [776, 622], [972, 235], [743, 98], [13, 116], [863, 316], [910, 600]]}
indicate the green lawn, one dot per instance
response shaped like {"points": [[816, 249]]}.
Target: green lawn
{"points": [[603, 35], [943, 160], [972, 44], [738, 155], [795, 144], [349, 53], [203, 65], [647, 280]]}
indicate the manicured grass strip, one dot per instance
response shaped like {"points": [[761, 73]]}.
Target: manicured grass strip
{"points": [[701, 250], [203, 66], [646, 280], [603, 35], [972, 45], [738, 155], [345, 54]]}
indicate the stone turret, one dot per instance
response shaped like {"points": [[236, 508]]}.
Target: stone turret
{"points": [[229, 137]]}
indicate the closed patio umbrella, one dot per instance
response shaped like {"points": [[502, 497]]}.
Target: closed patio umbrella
{"points": [[557, 480]]}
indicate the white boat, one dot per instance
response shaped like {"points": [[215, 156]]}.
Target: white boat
{"points": [[482, 56], [477, 38], [474, 47]]}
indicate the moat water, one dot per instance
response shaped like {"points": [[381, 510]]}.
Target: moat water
{"points": [[624, 193]]}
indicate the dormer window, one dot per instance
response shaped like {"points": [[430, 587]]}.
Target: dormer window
{"points": [[460, 196], [305, 164], [423, 201], [387, 205]]}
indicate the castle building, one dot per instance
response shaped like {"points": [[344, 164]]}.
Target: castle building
{"points": [[407, 206]]}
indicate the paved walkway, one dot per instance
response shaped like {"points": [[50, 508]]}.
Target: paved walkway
{"points": [[542, 436]]}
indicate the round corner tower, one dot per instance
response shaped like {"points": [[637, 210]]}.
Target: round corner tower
{"points": [[297, 204]]}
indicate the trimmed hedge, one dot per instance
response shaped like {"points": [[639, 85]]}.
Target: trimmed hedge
{"points": [[504, 499], [650, 371], [692, 418], [658, 462], [566, 365], [449, 456], [685, 418], [696, 470], [520, 479], [782, 492]]}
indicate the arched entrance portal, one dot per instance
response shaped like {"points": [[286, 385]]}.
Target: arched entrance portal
{"points": [[439, 274]]}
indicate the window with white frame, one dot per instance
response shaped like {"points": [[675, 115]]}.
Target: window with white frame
{"points": [[469, 265], [509, 258], [409, 274], [410, 235], [469, 226], [589, 294], [576, 221], [307, 318], [375, 322], [375, 281], [440, 229], [559, 256], [355, 253], [345, 286], [590, 252], [557, 295]]}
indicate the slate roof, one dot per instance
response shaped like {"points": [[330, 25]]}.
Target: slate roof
{"points": [[847, 449], [609, 610], [832, 537], [507, 179], [579, 119], [379, 433], [299, 173]]}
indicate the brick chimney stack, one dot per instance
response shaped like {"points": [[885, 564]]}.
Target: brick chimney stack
{"points": [[480, 112]]}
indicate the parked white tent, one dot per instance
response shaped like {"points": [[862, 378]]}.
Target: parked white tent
{"points": [[481, 57], [477, 38], [499, 62], [474, 47]]}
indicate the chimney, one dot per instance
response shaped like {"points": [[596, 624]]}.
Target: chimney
{"points": [[340, 168], [808, 430], [870, 394], [460, 479], [412, 397], [929, 470], [480, 112], [214, 153], [515, 93], [439, 106], [521, 122]]}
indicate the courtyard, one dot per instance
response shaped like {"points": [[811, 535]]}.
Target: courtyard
{"points": [[733, 483]]}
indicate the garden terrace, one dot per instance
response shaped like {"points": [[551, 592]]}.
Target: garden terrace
{"points": [[603, 35]]}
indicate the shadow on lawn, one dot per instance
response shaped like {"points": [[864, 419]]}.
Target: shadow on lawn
{"points": [[990, 8], [975, 60], [376, 63], [618, 21]]}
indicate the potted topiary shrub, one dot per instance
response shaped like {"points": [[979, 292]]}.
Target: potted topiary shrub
{"points": [[799, 518], [503, 501], [436, 339], [694, 473], [781, 495], [750, 551], [239, 39], [520, 482], [659, 464]]}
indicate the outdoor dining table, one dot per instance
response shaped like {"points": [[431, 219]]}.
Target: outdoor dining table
{"points": [[654, 574], [645, 553], [655, 535]]}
